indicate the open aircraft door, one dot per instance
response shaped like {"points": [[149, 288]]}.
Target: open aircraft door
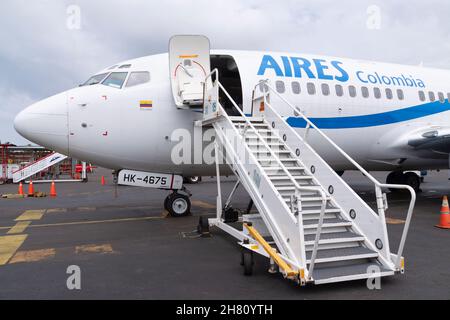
{"points": [[189, 58]]}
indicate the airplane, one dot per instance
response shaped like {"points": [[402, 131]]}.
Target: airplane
{"points": [[130, 116]]}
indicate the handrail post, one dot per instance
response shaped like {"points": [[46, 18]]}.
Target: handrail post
{"points": [[380, 204], [317, 238]]}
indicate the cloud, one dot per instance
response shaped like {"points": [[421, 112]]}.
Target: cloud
{"points": [[42, 56]]}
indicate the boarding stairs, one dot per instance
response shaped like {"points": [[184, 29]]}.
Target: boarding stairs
{"points": [[309, 221], [38, 166]]}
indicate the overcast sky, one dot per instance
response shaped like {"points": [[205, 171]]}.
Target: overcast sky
{"points": [[42, 51]]}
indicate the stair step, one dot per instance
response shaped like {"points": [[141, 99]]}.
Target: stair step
{"points": [[317, 211], [331, 238], [274, 151], [261, 145], [256, 124], [359, 271], [342, 254], [305, 199], [237, 119], [329, 223], [283, 178], [276, 168]]}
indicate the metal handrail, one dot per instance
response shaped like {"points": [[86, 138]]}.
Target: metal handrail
{"points": [[322, 212], [378, 185], [282, 166]]}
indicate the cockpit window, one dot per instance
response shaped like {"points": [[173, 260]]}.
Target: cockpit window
{"points": [[95, 79], [115, 79], [125, 66], [137, 78]]}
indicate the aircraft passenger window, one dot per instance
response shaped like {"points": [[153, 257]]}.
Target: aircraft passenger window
{"points": [[448, 97], [377, 92], [352, 91], [311, 88], [441, 97], [432, 96], [95, 79], [389, 94], [281, 88], [115, 79], [365, 92], [295, 87], [422, 96], [400, 94], [339, 90], [325, 89], [137, 78]]}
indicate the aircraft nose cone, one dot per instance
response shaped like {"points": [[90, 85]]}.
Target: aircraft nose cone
{"points": [[45, 123]]}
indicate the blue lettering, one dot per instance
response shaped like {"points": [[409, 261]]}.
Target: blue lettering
{"points": [[372, 78], [268, 62], [358, 74], [305, 65], [287, 66], [320, 67], [344, 75]]}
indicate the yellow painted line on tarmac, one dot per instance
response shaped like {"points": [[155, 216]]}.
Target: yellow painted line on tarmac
{"points": [[19, 227], [203, 204], [9, 245], [75, 223], [86, 208], [394, 221], [94, 248], [33, 255], [31, 215], [56, 210]]}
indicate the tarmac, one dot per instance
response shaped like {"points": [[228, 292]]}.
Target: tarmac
{"points": [[126, 247]]}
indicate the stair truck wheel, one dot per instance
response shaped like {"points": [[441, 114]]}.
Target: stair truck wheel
{"points": [[247, 262], [178, 205], [166, 202], [203, 227]]}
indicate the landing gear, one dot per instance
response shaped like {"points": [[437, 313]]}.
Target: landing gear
{"points": [[409, 178], [413, 180], [178, 205], [192, 180]]}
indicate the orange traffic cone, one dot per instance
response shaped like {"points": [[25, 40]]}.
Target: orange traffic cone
{"points": [[103, 181], [31, 189], [53, 190], [445, 215], [21, 189]]}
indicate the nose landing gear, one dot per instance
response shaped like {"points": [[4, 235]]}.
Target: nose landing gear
{"points": [[178, 204]]}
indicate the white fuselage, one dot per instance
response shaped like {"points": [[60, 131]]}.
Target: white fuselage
{"points": [[108, 125]]}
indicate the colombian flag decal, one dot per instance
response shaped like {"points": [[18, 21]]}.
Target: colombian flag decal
{"points": [[146, 104]]}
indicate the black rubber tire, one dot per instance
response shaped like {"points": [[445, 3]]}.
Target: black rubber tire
{"points": [[395, 177], [203, 226], [166, 202], [193, 180], [413, 180], [179, 205], [247, 262]]}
